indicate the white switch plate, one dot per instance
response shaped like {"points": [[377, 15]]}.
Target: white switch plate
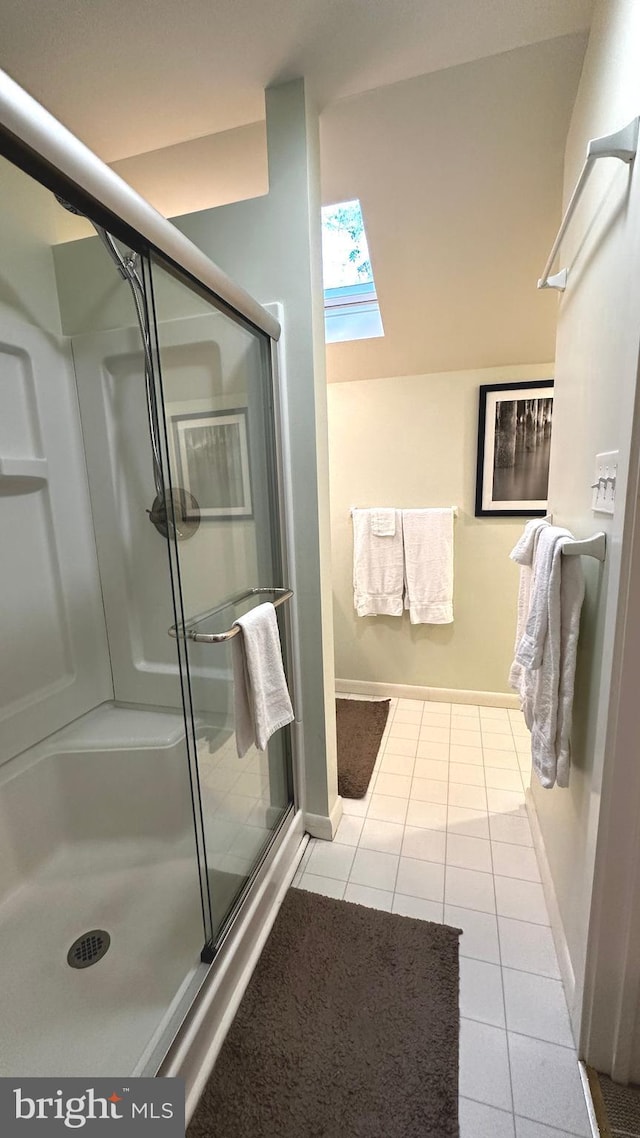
{"points": [[604, 489]]}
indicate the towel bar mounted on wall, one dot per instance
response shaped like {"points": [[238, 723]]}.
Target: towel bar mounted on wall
{"points": [[595, 546], [623, 145], [352, 508], [189, 630]]}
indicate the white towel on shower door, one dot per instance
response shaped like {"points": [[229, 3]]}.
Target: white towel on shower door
{"points": [[261, 698], [378, 575], [428, 562]]}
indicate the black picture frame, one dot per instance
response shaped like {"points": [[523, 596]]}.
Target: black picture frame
{"points": [[526, 439]]}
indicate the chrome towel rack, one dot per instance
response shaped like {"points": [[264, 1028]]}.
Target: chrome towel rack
{"points": [[623, 144], [189, 630]]}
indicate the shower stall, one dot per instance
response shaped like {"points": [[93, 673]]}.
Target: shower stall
{"points": [[143, 510]]}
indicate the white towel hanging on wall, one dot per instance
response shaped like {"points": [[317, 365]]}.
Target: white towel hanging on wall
{"points": [[382, 586], [378, 567], [383, 523], [428, 562]]}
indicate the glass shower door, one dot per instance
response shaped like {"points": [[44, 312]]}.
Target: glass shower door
{"points": [[218, 422]]}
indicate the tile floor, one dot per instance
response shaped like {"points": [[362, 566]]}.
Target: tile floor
{"points": [[443, 835]]}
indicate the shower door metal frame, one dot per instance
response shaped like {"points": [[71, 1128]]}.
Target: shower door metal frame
{"points": [[287, 538], [200, 1032], [214, 940]]}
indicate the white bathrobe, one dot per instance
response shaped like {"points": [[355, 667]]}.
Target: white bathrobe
{"points": [[546, 655]]}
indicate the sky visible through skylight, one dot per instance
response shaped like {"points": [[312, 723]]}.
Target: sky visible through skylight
{"points": [[345, 253]]}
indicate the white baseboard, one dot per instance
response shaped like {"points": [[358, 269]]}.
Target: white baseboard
{"points": [[557, 927], [198, 1042], [322, 825], [439, 695]]}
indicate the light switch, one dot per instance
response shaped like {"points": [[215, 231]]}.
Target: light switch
{"points": [[604, 483]]}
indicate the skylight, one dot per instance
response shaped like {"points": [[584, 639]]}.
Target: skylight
{"points": [[351, 310]]}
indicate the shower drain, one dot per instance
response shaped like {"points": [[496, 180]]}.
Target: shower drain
{"points": [[88, 949]]}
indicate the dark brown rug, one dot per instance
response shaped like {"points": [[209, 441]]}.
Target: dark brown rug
{"points": [[360, 724], [349, 1026]]}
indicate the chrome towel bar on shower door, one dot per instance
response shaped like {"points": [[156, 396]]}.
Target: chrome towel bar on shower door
{"points": [[189, 630]]}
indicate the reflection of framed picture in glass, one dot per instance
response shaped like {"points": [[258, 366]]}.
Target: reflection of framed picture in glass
{"points": [[212, 456], [514, 443]]}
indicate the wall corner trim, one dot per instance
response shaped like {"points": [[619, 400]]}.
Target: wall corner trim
{"points": [[322, 825]]}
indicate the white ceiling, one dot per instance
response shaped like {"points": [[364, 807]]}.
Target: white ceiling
{"points": [[130, 76]]}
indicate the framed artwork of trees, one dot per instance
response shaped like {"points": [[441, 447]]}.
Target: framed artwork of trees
{"points": [[514, 444]]}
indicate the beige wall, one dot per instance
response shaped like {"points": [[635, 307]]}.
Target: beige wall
{"points": [[411, 441], [199, 174], [460, 175], [596, 365], [460, 178], [202, 173]]}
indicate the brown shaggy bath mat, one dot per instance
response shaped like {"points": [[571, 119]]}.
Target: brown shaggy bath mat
{"points": [[349, 1026], [360, 724]]}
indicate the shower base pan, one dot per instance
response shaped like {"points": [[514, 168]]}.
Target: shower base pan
{"points": [[96, 838], [101, 1019]]}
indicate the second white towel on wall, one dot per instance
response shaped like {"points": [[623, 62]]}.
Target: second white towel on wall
{"points": [[409, 565]]}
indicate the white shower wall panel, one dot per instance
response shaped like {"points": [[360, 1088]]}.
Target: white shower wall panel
{"points": [[132, 555], [54, 663], [202, 371]]}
